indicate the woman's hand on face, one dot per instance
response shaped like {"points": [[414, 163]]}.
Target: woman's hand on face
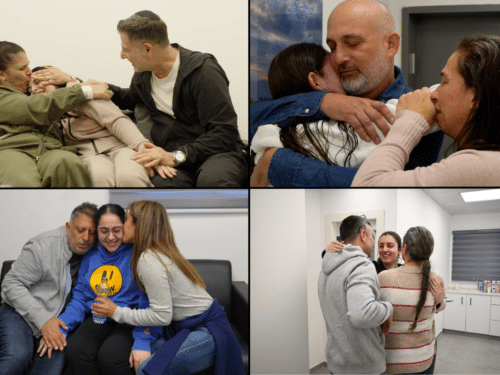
{"points": [[419, 101], [334, 246], [104, 307], [137, 357], [52, 76]]}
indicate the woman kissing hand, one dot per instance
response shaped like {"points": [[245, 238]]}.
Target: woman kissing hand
{"points": [[419, 101]]}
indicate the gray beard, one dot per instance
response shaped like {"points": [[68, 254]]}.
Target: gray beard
{"points": [[356, 86]]}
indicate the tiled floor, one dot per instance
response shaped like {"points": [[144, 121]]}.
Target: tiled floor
{"points": [[462, 353]]}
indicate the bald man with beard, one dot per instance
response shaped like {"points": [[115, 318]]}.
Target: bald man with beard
{"points": [[363, 43]]}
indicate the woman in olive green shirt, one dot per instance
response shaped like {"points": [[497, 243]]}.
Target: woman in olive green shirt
{"points": [[32, 153]]}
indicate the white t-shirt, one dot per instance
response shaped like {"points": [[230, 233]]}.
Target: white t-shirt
{"points": [[162, 89]]}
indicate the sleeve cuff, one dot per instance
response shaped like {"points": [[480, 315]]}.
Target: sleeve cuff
{"points": [[142, 345], [88, 92]]}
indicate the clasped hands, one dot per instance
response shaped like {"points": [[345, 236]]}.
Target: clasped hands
{"points": [[156, 158]]}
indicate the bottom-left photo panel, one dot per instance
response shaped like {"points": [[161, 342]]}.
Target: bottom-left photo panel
{"points": [[124, 281]]}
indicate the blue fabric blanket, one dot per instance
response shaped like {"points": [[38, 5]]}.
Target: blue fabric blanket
{"points": [[228, 355]]}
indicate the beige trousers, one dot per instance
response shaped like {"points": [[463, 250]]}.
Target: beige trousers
{"points": [[115, 169]]}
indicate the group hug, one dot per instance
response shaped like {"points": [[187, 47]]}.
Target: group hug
{"points": [[345, 117], [380, 314], [159, 319], [57, 131]]}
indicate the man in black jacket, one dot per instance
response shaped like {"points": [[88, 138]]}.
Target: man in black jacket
{"points": [[194, 130]]}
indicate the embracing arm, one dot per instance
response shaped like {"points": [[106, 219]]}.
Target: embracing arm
{"points": [[42, 110], [108, 115], [292, 169], [363, 309], [286, 111], [124, 98], [317, 105], [154, 277]]}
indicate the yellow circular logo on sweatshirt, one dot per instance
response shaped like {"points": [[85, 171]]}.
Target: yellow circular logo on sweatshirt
{"points": [[112, 273]]}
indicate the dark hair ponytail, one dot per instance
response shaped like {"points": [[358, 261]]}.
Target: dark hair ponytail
{"points": [[420, 243]]}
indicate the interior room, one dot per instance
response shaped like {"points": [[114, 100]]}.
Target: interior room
{"points": [[210, 229], [218, 219], [289, 230], [82, 40]]}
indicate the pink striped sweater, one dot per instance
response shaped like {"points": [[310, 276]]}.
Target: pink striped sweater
{"points": [[406, 351]]}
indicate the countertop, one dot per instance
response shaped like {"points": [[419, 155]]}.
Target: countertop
{"points": [[472, 291]]}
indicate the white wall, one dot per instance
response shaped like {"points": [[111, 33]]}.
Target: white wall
{"points": [[26, 213], [81, 38], [315, 238], [278, 318]]}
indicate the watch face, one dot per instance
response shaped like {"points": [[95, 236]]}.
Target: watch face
{"points": [[179, 156]]}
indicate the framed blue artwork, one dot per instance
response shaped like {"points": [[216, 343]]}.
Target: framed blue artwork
{"points": [[274, 25]]}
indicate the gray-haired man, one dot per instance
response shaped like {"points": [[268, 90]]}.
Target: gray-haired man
{"points": [[36, 290]]}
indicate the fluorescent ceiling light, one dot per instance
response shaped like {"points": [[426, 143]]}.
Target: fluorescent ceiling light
{"points": [[481, 195]]}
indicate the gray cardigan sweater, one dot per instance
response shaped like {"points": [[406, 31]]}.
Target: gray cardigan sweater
{"points": [[349, 296], [35, 284]]}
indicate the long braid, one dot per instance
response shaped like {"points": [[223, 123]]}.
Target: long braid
{"points": [[426, 271], [420, 243]]}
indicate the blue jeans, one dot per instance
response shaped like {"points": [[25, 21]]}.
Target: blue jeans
{"points": [[18, 348], [196, 353]]}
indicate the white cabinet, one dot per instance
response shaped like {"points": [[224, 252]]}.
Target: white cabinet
{"points": [[454, 313], [495, 316], [471, 313], [477, 319]]}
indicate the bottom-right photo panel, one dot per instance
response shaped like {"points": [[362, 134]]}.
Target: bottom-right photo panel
{"points": [[375, 281]]}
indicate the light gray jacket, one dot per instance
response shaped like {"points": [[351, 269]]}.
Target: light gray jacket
{"points": [[35, 284], [349, 296]]}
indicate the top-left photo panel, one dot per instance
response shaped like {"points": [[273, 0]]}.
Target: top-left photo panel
{"points": [[116, 94]]}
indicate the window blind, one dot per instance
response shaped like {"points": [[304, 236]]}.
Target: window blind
{"points": [[476, 255], [183, 199]]}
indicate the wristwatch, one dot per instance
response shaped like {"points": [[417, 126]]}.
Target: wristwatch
{"points": [[179, 157]]}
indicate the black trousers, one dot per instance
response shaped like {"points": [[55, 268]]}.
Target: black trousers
{"points": [[96, 349], [225, 170]]}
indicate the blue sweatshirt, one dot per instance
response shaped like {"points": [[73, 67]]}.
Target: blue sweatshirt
{"points": [[124, 291]]}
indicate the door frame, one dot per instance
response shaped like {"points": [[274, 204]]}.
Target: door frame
{"points": [[410, 14]]}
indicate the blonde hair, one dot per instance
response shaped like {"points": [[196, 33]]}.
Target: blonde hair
{"points": [[153, 232]]}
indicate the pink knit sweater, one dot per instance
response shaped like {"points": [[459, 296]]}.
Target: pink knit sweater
{"points": [[385, 165]]}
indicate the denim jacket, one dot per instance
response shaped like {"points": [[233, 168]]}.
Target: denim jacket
{"points": [[292, 169]]}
